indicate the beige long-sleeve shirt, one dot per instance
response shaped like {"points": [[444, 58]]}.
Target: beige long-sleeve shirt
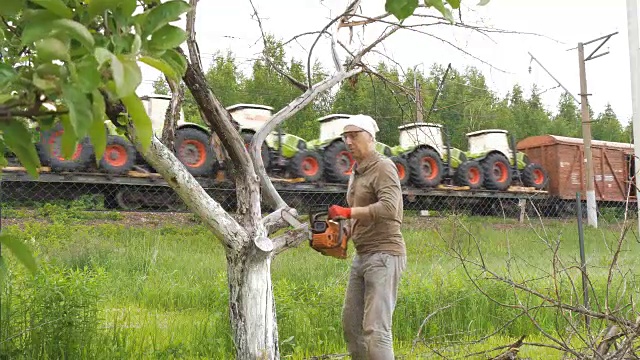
{"points": [[374, 184]]}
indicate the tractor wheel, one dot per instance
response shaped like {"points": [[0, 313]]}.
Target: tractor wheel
{"points": [[338, 162], [266, 158], [51, 151], [308, 165], [534, 175], [193, 149], [497, 172], [425, 168], [403, 169], [469, 173], [119, 155]]}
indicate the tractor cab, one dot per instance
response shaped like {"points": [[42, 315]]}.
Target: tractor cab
{"points": [[331, 127], [484, 141], [419, 133], [156, 106], [250, 116]]}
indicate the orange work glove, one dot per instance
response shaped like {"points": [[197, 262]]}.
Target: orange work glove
{"points": [[336, 211]]}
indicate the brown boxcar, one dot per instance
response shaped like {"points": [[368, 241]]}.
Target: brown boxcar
{"points": [[563, 158]]}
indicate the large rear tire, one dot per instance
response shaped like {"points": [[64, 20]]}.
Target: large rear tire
{"points": [[51, 151], [338, 162], [425, 168], [193, 149], [497, 172], [119, 155]]}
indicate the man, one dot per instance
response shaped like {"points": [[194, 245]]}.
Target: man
{"points": [[374, 199]]}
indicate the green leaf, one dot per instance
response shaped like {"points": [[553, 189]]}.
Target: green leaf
{"points": [[401, 9], [80, 109], [439, 5], [50, 49], [69, 139], [177, 62], [89, 77], [45, 83], [37, 30], [37, 16], [126, 75], [161, 65], [12, 7], [128, 7], [55, 6], [137, 44], [102, 55], [18, 138], [20, 250], [483, 2], [454, 3], [97, 7], [167, 37], [7, 74], [97, 130], [6, 97], [160, 15], [140, 118]]}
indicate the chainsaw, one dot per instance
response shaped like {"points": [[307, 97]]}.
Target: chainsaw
{"points": [[327, 236]]}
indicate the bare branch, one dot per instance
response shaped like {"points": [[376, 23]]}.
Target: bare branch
{"points": [[173, 113], [290, 239], [223, 226], [221, 123], [291, 109], [349, 10], [192, 44], [414, 29], [301, 35], [291, 79], [373, 44]]}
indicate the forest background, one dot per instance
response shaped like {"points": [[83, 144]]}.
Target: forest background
{"points": [[464, 104]]}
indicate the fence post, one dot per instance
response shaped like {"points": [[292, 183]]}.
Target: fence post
{"points": [[583, 263]]}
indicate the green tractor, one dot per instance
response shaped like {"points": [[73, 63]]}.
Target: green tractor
{"points": [[282, 153], [431, 162], [500, 167], [192, 145], [338, 161]]}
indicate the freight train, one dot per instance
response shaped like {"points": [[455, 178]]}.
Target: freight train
{"points": [[423, 156]]}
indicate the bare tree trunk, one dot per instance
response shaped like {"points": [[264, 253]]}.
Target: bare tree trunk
{"points": [[251, 306]]}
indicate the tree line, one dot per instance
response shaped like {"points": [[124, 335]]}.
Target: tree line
{"points": [[464, 103]]}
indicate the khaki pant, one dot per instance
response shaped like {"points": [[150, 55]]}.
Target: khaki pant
{"points": [[369, 303]]}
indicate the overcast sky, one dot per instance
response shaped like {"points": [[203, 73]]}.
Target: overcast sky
{"points": [[224, 25]]}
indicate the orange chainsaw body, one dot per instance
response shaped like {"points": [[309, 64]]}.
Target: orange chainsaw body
{"points": [[328, 237]]}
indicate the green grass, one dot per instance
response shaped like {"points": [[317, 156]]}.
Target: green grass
{"points": [[108, 289]]}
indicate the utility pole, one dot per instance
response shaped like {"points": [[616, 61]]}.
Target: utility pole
{"points": [[634, 63], [592, 215]]}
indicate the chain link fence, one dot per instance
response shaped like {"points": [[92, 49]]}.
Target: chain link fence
{"points": [[149, 192]]}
